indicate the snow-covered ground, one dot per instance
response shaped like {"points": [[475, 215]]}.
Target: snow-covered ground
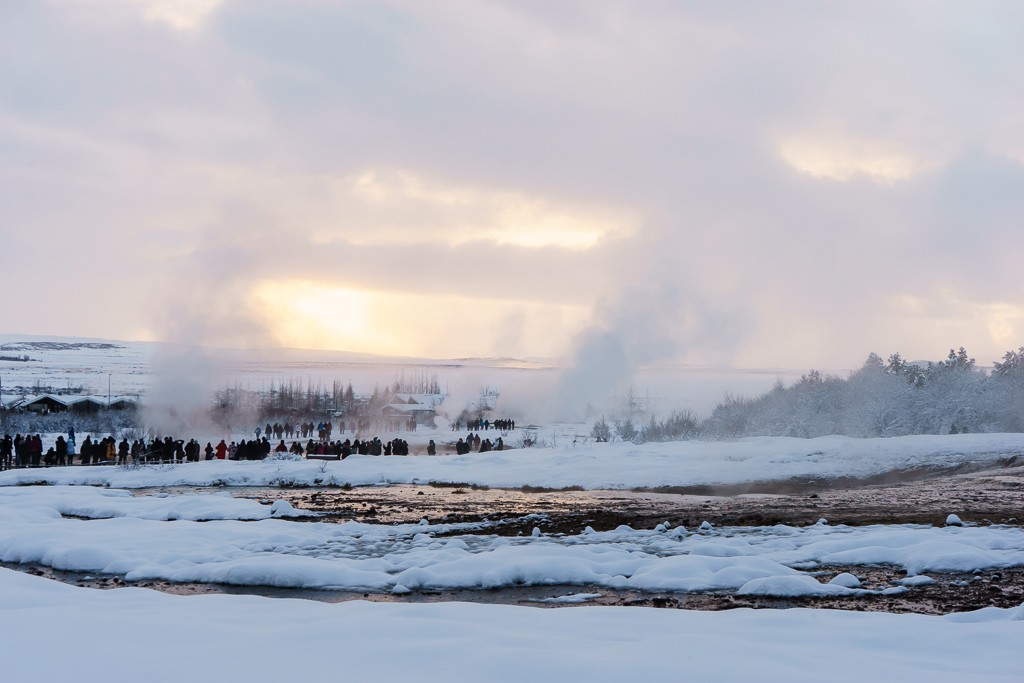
{"points": [[56, 632], [217, 538], [591, 465], [158, 538]]}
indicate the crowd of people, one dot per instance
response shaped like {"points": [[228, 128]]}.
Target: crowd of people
{"points": [[324, 430], [27, 451], [477, 424], [308, 440], [303, 430]]}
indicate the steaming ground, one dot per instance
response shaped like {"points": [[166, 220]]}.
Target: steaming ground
{"points": [[181, 377]]}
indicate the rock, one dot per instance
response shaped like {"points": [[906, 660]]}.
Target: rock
{"points": [[706, 526], [953, 520]]}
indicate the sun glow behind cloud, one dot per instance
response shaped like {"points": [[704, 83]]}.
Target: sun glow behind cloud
{"points": [[947, 315], [845, 158], [467, 213], [180, 15], [311, 315]]}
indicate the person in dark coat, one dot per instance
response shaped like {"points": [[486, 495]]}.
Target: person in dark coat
{"points": [[87, 451], [61, 446], [6, 452], [36, 449]]}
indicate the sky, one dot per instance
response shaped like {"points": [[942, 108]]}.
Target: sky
{"points": [[785, 184]]}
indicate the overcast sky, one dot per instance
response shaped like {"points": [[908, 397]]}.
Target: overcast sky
{"points": [[755, 184]]}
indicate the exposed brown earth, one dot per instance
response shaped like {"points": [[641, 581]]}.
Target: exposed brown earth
{"points": [[994, 496]]}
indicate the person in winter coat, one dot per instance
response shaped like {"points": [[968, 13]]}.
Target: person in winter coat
{"points": [[208, 451], [61, 446], [87, 451], [36, 449], [222, 450], [6, 452]]}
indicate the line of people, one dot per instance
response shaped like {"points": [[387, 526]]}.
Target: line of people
{"points": [[322, 430], [480, 424], [27, 451]]}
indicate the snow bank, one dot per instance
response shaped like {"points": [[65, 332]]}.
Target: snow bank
{"points": [[232, 638], [96, 503], [592, 466]]}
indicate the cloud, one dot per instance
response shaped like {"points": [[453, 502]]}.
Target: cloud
{"points": [[842, 159], [768, 175], [180, 15]]}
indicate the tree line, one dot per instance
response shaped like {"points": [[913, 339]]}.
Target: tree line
{"points": [[891, 397]]}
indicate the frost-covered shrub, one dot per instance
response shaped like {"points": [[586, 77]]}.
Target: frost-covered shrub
{"points": [[601, 431], [626, 430]]}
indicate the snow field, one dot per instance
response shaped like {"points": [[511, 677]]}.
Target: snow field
{"points": [[137, 634], [130, 536], [140, 635]]}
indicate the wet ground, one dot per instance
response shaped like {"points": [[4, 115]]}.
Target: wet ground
{"points": [[993, 496], [958, 592]]}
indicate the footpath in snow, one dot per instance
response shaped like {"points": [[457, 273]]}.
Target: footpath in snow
{"points": [[591, 466]]}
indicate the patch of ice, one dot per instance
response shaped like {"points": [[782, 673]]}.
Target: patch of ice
{"points": [[570, 599], [919, 580]]}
